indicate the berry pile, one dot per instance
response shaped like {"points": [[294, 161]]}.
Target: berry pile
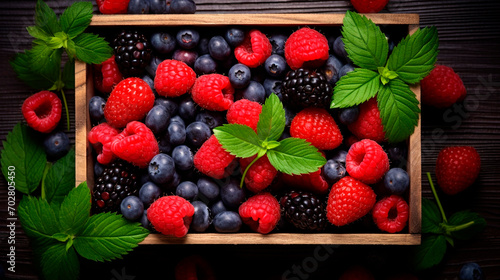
{"points": [[146, 6], [158, 161]]}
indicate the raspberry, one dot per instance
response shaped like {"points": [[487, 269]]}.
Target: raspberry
{"points": [[390, 214], [101, 136], [135, 144], [349, 200], [312, 182], [194, 267], [244, 112], [318, 127], [369, 124], [261, 212], [369, 6], [457, 168], [173, 78], [260, 175], [213, 92], [42, 111], [367, 161], [254, 50], [113, 6], [130, 100], [442, 87], [171, 215], [107, 75], [306, 48], [212, 160]]}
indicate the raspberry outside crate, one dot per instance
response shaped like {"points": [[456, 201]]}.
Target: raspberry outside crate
{"points": [[85, 90]]}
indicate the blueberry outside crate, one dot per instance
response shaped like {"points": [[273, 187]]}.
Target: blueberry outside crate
{"points": [[85, 90]]}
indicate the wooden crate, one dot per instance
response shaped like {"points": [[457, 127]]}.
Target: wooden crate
{"points": [[85, 90]]}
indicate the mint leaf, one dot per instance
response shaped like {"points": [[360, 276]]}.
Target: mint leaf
{"points": [[355, 88], [59, 263], [76, 18], [91, 48], [43, 57], [37, 219], [271, 119], [430, 252], [414, 57], [431, 217], [46, 18], [295, 156], [75, 210], [22, 152], [399, 110], [107, 236], [239, 140], [464, 225], [38, 33], [60, 179], [365, 44], [68, 74], [22, 66]]}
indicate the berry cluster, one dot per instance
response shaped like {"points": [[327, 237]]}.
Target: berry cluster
{"points": [[146, 6]]}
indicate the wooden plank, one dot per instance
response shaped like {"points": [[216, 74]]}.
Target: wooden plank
{"points": [[81, 142]]}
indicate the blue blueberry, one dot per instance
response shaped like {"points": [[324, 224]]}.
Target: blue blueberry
{"points": [[205, 64], [201, 218], [348, 115], [234, 36], [176, 180], [132, 208], [278, 43], [339, 155], [276, 66], [396, 180], [182, 7], [157, 119], [208, 188], [96, 108], [153, 65], [144, 220], [186, 56], [339, 49], [239, 75], [163, 42], [333, 171], [157, 7], [138, 7], [345, 69], [397, 154], [177, 133], [227, 222], [471, 271], [170, 105], [148, 193], [187, 38], [98, 169], [254, 92], [272, 86], [183, 157], [217, 207], [212, 118], [289, 115], [187, 190], [231, 193], [188, 109], [164, 144], [203, 46], [197, 133], [177, 119], [218, 48], [331, 69], [149, 81], [161, 169], [56, 145]]}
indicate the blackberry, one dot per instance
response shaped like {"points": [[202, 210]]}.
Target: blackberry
{"points": [[133, 53], [303, 210], [119, 180], [306, 88]]}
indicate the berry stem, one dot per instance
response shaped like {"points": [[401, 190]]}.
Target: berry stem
{"points": [[43, 194], [66, 108], [248, 167], [436, 197]]}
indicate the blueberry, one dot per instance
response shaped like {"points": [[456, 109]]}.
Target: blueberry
{"points": [[278, 43], [339, 49], [96, 108], [164, 144], [153, 65], [201, 218], [183, 157], [212, 118], [275, 66], [187, 38], [182, 7], [218, 48], [161, 169], [203, 46], [144, 220], [333, 171], [157, 7], [345, 69], [163, 42], [397, 154], [471, 271], [138, 7], [289, 115], [217, 207], [339, 156], [396, 180], [187, 190], [254, 92], [177, 133], [177, 119], [148, 193], [208, 188], [132, 208], [197, 133], [239, 75], [188, 109], [169, 104], [149, 81], [186, 56], [176, 180], [331, 69], [272, 86], [157, 119], [348, 115], [227, 221], [234, 36], [56, 144], [98, 169], [231, 194], [205, 64]]}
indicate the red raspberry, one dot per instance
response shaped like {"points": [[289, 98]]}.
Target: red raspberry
{"points": [[194, 267], [367, 161], [212, 160], [174, 78], [369, 124], [457, 168], [135, 144], [391, 213], [113, 6], [349, 200], [318, 127], [42, 111], [130, 100], [254, 50], [107, 75], [260, 175], [357, 272], [213, 92], [369, 6], [306, 48], [261, 212], [244, 112], [101, 136], [171, 215], [442, 87]]}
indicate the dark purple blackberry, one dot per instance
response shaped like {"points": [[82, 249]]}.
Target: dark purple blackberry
{"points": [[303, 210], [133, 53], [119, 180], [306, 88]]}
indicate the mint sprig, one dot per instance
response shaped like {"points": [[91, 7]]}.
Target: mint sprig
{"points": [[389, 77]]}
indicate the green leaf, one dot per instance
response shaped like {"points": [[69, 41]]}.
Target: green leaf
{"points": [[54, 43], [386, 75], [22, 66], [59, 263], [414, 57], [355, 88], [91, 48], [45, 60], [60, 179], [75, 210], [365, 44], [76, 18], [399, 110], [271, 119], [107, 236], [38, 219], [46, 18], [38, 33], [431, 217], [23, 153], [239, 140], [464, 225], [68, 74], [430, 252], [295, 156]]}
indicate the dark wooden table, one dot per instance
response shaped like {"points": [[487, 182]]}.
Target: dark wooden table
{"points": [[469, 33]]}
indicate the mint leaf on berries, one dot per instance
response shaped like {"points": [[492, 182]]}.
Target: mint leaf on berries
{"points": [[355, 88], [91, 48], [239, 140], [272, 119], [295, 156]]}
